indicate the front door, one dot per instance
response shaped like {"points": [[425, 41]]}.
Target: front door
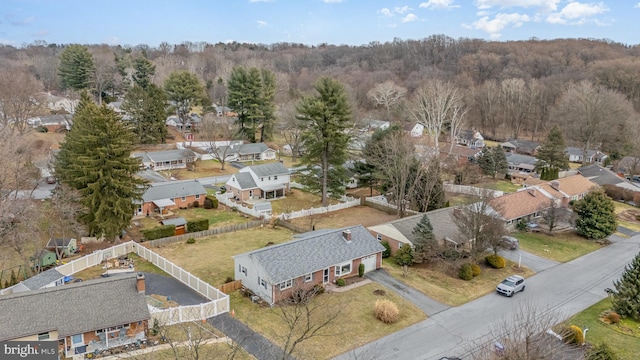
{"points": [[325, 276]]}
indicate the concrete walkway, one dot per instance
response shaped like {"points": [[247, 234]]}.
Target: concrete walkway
{"points": [[425, 303]]}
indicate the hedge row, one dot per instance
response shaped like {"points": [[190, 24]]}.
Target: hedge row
{"points": [[159, 232], [198, 225]]}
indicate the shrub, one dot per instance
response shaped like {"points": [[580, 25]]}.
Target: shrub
{"points": [[196, 204], [387, 249], [228, 280], [496, 261], [475, 268], [208, 203], [386, 311], [215, 203], [573, 335], [341, 282], [613, 317], [198, 225], [159, 232], [361, 270], [600, 352], [521, 225], [191, 241], [465, 272], [451, 254]]}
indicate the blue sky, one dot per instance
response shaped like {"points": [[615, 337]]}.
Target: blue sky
{"points": [[311, 22]]}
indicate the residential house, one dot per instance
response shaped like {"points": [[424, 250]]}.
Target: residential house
{"points": [[45, 279], [225, 111], [193, 122], [570, 188], [525, 204], [399, 233], [266, 181], [246, 152], [116, 106], [603, 176], [166, 159], [462, 154], [525, 147], [82, 317], [53, 123], [163, 196], [173, 121], [576, 155], [521, 163], [66, 247], [264, 208], [470, 138], [372, 125], [350, 166], [629, 165], [414, 129], [314, 258], [58, 103]]}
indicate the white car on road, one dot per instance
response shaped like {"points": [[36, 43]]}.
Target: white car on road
{"points": [[511, 285]]}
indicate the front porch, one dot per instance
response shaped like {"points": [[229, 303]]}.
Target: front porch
{"points": [[113, 341]]}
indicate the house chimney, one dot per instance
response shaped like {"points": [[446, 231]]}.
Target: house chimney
{"points": [[555, 184], [346, 234], [140, 283]]}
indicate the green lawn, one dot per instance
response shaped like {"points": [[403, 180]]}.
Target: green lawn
{"points": [[623, 339], [298, 200], [560, 247], [452, 290], [501, 185], [217, 217]]}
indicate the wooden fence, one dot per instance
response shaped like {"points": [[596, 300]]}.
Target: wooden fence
{"points": [[230, 286], [199, 234], [292, 227], [377, 203]]}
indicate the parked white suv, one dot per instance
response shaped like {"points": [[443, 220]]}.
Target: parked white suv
{"points": [[511, 285]]}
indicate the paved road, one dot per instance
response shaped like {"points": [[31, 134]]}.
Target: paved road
{"points": [[628, 232], [425, 303], [565, 289], [533, 262]]}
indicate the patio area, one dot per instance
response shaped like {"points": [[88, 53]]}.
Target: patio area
{"points": [[113, 343]]}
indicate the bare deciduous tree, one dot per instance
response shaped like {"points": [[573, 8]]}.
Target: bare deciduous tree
{"points": [[291, 128], [20, 99], [439, 107], [216, 133], [480, 223], [516, 104], [387, 94]]}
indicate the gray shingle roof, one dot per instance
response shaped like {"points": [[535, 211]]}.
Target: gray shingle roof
{"points": [[441, 221], [314, 252], [602, 176], [166, 155], [54, 242], [267, 169], [172, 190], [175, 221], [42, 279], [73, 309], [578, 151], [245, 181], [251, 148], [521, 159]]}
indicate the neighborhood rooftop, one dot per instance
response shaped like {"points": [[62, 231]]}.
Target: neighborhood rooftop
{"points": [[441, 220], [42, 279], [73, 309], [314, 252], [172, 190], [269, 169], [165, 155]]}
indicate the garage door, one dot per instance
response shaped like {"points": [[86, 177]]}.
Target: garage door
{"points": [[369, 263]]}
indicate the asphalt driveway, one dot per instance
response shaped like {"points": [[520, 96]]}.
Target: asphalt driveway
{"points": [[533, 262], [168, 286]]}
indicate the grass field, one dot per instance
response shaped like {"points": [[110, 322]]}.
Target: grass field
{"points": [[358, 215], [355, 325], [217, 217], [560, 247], [500, 185], [298, 200], [204, 168], [210, 257], [452, 290], [623, 338]]}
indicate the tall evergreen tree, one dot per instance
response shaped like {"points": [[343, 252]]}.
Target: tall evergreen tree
{"points": [[493, 161], [95, 159], [186, 91], [147, 110], [425, 241], [596, 216], [143, 70], [327, 117], [552, 156], [252, 97], [626, 297], [76, 68]]}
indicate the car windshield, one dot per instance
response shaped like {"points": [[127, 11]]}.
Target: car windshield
{"points": [[508, 282]]}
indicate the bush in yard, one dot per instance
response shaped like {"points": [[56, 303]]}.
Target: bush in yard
{"points": [[600, 352], [521, 225], [191, 241], [496, 261], [387, 249], [613, 317], [159, 232], [475, 268], [466, 273], [196, 204], [228, 280], [361, 270], [573, 335], [198, 225], [341, 282], [386, 311], [208, 203], [596, 214]]}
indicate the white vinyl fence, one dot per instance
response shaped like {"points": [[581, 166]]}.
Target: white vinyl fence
{"points": [[226, 200], [471, 190], [347, 203], [218, 304]]}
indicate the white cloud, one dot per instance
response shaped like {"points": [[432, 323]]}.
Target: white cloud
{"points": [[385, 12], [254, 1], [548, 5], [483, 13], [401, 10], [112, 40], [438, 4], [262, 24], [496, 25], [637, 5], [577, 13], [409, 18], [332, 1], [40, 33]]}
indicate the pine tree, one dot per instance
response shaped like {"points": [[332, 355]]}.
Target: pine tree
{"points": [[596, 216], [95, 159], [493, 161], [147, 112], [326, 117], [626, 297], [143, 70], [252, 96], [425, 240], [76, 68], [552, 156], [186, 91]]}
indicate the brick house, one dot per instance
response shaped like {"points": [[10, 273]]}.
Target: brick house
{"points": [[266, 181], [314, 258], [169, 195]]}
